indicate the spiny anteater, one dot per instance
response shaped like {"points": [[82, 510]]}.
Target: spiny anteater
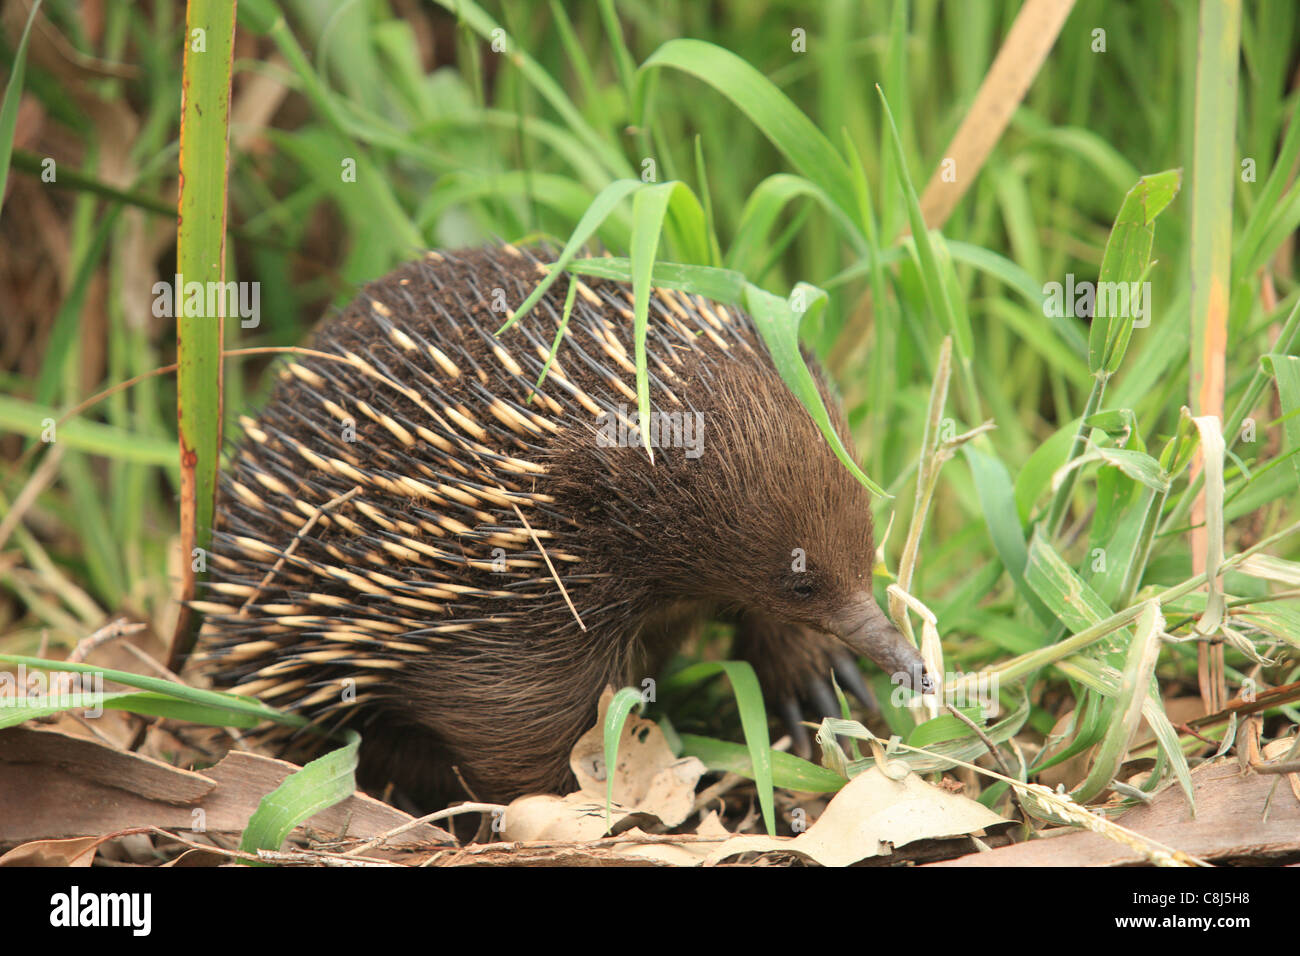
{"points": [[425, 593]]}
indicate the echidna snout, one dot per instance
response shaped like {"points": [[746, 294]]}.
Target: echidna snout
{"points": [[867, 631], [395, 526]]}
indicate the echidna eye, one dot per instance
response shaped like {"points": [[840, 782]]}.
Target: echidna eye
{"points": [[804, 589]]}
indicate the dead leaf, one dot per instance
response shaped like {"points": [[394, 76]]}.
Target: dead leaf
{"points": [[54, 786], [577, 817], [869, 817], [78, 851], [200, 858], [1277, 750], [682, 854], [1228, 826], [651, 786], [648, 778]]}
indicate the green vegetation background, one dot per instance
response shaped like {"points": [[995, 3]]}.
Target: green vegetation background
{"points": [[461, 134]]}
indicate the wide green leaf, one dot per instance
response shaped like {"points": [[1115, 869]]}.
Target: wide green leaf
{"points": [[1124, 264], [325, 781]]}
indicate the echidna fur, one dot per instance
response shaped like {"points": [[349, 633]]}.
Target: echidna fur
{"points": [[420, 609]]}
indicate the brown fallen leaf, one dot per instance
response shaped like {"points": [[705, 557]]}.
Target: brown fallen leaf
{"points": [[577, 817], [1228, 826], [651, 786], [200, 858], [871, 816], [681, 854], [91, 761], [648, 776], [1277, 750], [53, 785], [78, 851]]}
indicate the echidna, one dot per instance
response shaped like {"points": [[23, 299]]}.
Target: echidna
{"points": [[377, 558]]}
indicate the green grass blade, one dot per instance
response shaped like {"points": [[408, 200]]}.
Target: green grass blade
{"points": [[784, 124], [1019, 280], [1214, 171], [1082, 610], [1285, 370], [1232, 429], [325, 781], [895, 71], [788, 771], [1068, 596], [941, 754], [1212, 458], [993, 484], [566, 314], [577, 57], [649, 207], [79, 434], [9, 105], [561, 193], [596, 213], [1126, 260], [1250, 244], [706, 195], [201, 257], [753, 721], [1139, 671], [622, 58], [615, 717], [1095, 677], [481, 23], [1139, 466], [936, 284], [1087, 147], [762, 209], [157, 685], [721, 285], [147, 704], [64, 336], [778, 325]]}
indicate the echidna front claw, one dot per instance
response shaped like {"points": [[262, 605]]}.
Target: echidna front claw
{"points": [[792, 717], [823, 700], [850, 678], [794, 665], [846, 670]]}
